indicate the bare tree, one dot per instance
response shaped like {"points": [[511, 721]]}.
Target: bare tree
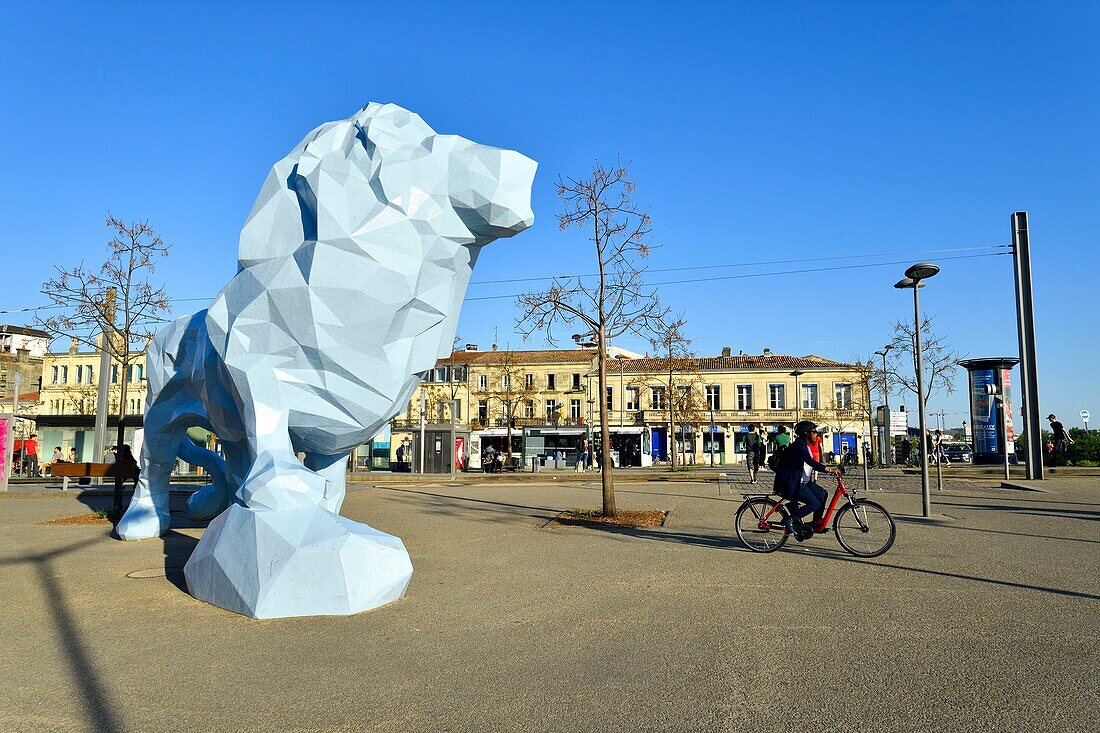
{"points": [[114, 305], [674, 347], [940, 361], [619, 303]]}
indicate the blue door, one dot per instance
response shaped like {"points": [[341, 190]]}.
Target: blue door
{"points": [[660, 444]]}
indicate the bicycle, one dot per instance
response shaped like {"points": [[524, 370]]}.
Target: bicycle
{"points": [[862, 527]]}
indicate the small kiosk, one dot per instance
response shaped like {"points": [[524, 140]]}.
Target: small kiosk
{"points": [[991, 410]]}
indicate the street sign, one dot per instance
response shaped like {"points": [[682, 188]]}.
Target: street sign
{"points": [[1085, 415]]}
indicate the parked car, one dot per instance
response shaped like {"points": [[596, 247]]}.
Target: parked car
{"points": [[958, 453]]}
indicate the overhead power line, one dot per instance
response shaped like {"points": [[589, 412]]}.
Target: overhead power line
{"points": [[772, 274], [989, 251], [761, 263]]}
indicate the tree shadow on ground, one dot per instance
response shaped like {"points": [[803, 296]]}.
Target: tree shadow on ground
{"points": [[98, 708], [726, 542]]}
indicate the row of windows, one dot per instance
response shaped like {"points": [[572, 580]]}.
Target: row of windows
{"points": [[777, 397], [87, 406], [85, 374]]}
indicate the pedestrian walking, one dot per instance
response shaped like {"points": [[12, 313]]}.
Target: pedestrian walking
{"points": [[1062, 439], [751, 454], [761, 449], [905, 450], [783, 437], [30, 454]]}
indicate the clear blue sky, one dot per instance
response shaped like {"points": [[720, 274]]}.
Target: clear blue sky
{"points": [[757, 131]]}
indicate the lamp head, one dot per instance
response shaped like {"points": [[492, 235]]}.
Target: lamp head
{"points": [[922, 271], [905, 282]]}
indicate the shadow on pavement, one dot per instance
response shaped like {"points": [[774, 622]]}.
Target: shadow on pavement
{"points": [[823, 553], [85, 679], [1057, 512]]}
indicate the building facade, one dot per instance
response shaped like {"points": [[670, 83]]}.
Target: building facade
{"points": [[68, 400], [700, 407]]}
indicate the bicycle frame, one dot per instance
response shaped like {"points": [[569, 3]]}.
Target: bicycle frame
{"points": [[841, 492]]}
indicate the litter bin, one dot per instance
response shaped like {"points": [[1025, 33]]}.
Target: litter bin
{"points": [[535, 462]]}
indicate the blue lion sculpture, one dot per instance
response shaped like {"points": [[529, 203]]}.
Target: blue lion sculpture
{"points": [[352, 268]]}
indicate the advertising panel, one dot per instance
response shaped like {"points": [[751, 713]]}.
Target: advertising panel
{"points": [[983, 411], [1006, 392], [7, 442]]}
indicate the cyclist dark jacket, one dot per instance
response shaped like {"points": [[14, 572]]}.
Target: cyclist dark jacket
{"points": [[788, 474]]}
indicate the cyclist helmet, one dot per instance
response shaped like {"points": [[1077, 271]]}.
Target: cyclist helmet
{"points": [[805, 427]]}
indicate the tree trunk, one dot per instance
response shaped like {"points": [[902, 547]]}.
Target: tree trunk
{"points": [[120, 480], [671, 397], [508, 412], [607, 479]]}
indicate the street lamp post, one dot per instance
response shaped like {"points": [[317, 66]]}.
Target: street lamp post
{"points": [[888, 439], [797, 395], [912, 279]]}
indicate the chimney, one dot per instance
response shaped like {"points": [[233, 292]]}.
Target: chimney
{"points": [[494, 347], [726, 351], [74, 346], [471, 347], [767, 351], [23, 355]]}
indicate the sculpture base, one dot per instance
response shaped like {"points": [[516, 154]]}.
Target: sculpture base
{"points": [[296, 562]]}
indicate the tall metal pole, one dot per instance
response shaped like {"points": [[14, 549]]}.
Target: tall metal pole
{"points": [[1025, 322], [926, 498], [714, 433], [888, 442], [21, 468], [454, 450], [1004, 433], [422, 431]]}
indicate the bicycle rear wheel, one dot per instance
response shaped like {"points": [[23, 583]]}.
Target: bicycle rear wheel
{"points": [[866, 531], [756, 533]]}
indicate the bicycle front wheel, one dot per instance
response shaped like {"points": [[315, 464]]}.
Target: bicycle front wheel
{"points": [[759, 527], [865, 530]]}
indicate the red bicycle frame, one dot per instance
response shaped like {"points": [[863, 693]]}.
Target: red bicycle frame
{"points": [[841, 491]]}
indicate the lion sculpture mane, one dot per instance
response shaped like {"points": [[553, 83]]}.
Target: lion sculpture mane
{"points": [[352, 268]]}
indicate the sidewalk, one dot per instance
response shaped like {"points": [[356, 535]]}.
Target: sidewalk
{"points": [[984, 620]]}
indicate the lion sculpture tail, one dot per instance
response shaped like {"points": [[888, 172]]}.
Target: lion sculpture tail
{"points": [[209, 501]]}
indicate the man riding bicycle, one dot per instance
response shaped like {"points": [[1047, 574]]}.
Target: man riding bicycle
{"points": [[794, 482]]}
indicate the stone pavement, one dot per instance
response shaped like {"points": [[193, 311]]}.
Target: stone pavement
{"points": [[984, 619]]}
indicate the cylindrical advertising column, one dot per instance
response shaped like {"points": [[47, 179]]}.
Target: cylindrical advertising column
{"points": [[991, 381]]}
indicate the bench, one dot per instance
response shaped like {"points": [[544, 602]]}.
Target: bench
{"points": [[87, 470]]}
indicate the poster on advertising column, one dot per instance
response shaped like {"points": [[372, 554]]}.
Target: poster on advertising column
{"points": [[983, 411], [1006, 393], [7, 442]]}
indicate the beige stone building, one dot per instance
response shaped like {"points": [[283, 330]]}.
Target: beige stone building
{"points": [[549, 399], [67, 402]]}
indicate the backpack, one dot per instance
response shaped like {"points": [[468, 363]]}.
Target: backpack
{"points": [[776, 458]]}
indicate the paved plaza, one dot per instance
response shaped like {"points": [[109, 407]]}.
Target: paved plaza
{"points": [[983, 619]]}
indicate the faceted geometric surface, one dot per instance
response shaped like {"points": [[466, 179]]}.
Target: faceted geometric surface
{"points": [[296, 562], [352, 267]]}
